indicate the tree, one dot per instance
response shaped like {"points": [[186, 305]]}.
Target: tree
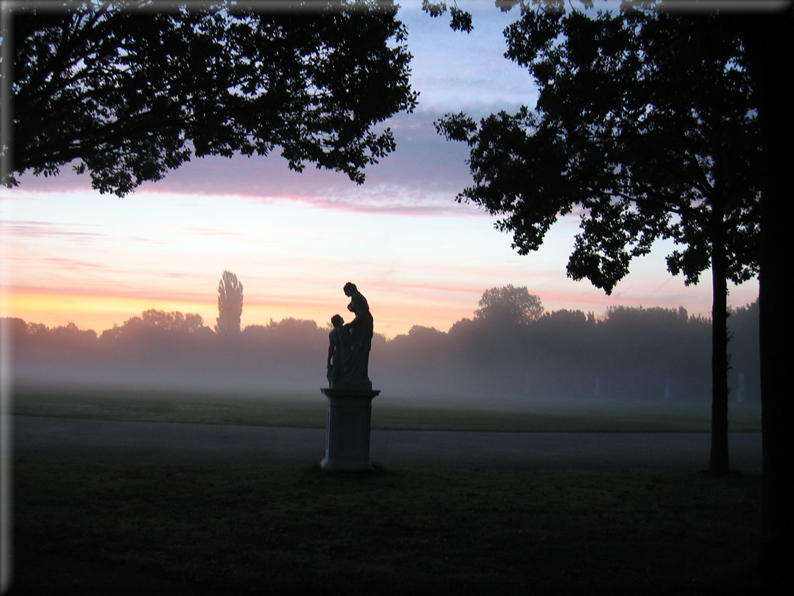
{"points": [[71, 335], [230, 304], [156, 322], [128, 90], [768, 39], [646, 127], [509, 305]]}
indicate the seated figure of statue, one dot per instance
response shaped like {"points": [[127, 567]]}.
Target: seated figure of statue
{"points": [[355, 371]]}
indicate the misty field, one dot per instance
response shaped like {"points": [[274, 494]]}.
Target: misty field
{"points": [[389, 412], [99, 526]]}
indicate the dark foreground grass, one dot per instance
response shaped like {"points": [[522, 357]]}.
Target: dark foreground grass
{"points": [[123, 527], [389, 412]]}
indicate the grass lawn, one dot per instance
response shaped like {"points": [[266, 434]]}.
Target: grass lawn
{"points": [[101, 526], [389, 412]]}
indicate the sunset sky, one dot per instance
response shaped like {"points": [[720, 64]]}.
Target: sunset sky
{"points": [[71, 254]]}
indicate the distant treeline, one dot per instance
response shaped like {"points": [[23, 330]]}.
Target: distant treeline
{"points": [[630, 353]]}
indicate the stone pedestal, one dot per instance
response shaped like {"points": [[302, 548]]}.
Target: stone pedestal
{"points": [[347, 430]]}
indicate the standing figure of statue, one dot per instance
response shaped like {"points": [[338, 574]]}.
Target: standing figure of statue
{"points": [[338, 351], [355, 374]]}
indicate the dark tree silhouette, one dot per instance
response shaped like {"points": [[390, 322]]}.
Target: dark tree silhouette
{"points": [[769, 39], [767, 34], [509, 305], [156, 324], [645, 126], [460, 20], [230, 304], [129, 90]]}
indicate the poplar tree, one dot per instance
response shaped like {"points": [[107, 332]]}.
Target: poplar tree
{"points": [[230, 304]]}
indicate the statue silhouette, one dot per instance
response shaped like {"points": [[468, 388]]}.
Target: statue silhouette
{"points": [[350, 344]]}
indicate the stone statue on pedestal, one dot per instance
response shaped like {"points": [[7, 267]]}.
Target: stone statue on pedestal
{"points": [[349, 389]]}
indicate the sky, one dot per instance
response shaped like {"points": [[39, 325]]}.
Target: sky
{"points": [[69, 254]]}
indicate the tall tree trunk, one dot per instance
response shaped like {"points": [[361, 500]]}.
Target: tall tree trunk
{"points": [[768, 40], [718, 460]]}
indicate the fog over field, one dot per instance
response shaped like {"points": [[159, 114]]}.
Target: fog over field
{"points": [[649, 354]]}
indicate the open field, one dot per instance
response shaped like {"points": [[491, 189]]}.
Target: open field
{"points": [[389, 412], [101, 526]]}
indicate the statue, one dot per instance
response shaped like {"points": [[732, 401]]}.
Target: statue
{"points": [[349, 389], [350, 344]]}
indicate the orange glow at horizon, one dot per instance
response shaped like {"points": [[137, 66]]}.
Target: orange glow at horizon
{"points": [[97, 311], [101, 311], [396, 308]]}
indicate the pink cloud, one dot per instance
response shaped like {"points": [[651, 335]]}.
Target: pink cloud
{"points": [[72, 263], [114, 292], [433, 287], [421, 178], [43, 229]]}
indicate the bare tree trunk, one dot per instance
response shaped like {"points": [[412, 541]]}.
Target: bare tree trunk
{"points": [[768, 41], [718, 460]]}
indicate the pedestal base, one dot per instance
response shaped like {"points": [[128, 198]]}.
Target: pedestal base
{"points": [[348, 429]]}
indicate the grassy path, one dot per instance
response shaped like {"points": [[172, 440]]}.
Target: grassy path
{"points": [[389, 412]]}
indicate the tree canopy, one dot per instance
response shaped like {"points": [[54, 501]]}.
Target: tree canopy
{"points": [[128, 90], [158, 323], [509, 305], [645, 127]]}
